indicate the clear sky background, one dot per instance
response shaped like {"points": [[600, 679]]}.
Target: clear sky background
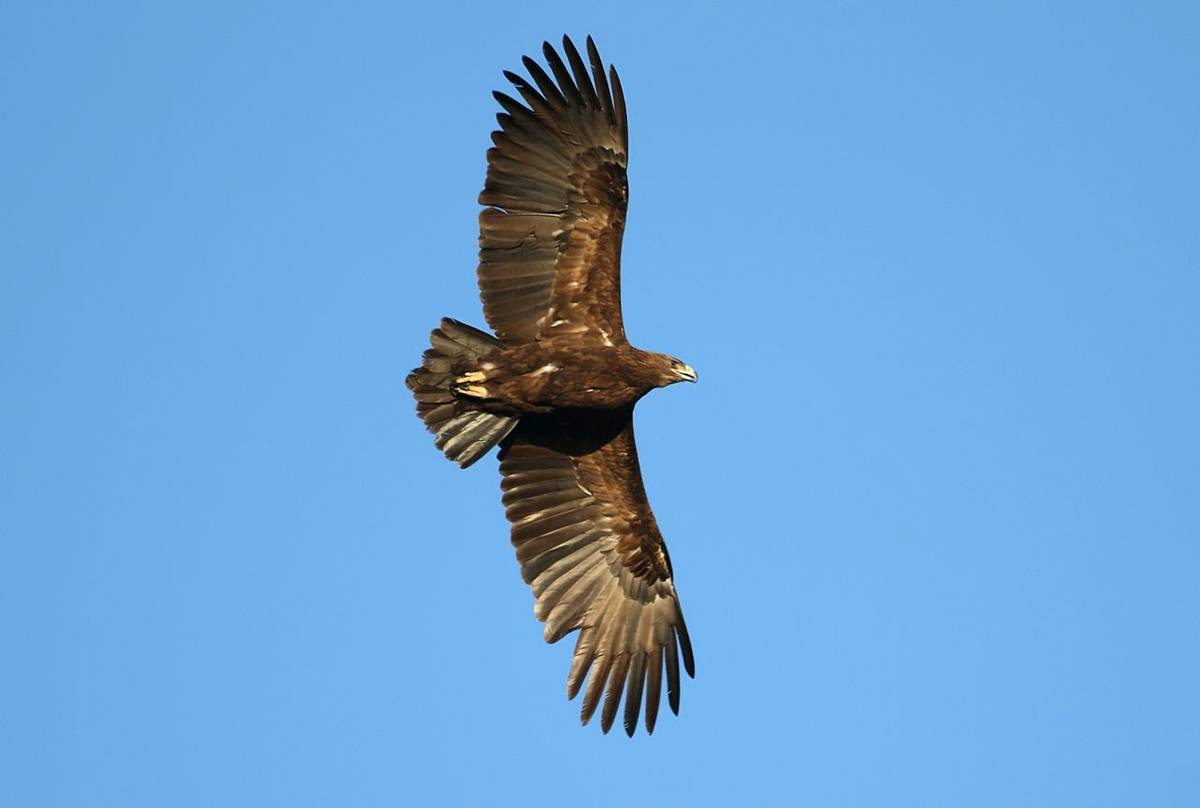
{"points": [[934, 506]]}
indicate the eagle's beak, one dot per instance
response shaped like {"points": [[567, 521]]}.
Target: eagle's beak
{"points": [[687, 373]]}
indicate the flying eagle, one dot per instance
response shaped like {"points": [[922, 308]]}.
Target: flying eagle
{"points": [[556, 386]]}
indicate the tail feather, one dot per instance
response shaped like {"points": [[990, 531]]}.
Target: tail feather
{"points": [[462, 431]]}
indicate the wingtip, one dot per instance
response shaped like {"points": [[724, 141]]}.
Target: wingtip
{"points": [[594, 54], [685, 646]]}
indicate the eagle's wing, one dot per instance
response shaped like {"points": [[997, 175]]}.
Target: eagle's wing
{"points": [[550, 240], [589, 546]]}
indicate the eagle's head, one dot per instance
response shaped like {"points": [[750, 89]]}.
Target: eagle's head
{"points": [[674, 370]]}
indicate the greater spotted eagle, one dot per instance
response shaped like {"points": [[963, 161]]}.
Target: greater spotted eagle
{"points": [[556, 386]]}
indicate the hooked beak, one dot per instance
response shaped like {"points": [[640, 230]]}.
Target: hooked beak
{"points": [[687, 373]]}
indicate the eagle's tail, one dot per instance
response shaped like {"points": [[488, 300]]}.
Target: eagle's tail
{"points": [[462, 431]]}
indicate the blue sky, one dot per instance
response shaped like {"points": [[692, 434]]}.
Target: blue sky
{"points": [[934, 507]]}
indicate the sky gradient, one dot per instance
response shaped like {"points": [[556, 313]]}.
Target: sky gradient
{"points": [[934, 506]]}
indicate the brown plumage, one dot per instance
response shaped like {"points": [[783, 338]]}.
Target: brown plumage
{"points": [[557, 385]]}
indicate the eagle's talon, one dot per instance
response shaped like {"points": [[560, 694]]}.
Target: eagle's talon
{"points": [[470, 378]]}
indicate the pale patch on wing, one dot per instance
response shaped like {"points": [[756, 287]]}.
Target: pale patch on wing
{"points": [[545, 370]]}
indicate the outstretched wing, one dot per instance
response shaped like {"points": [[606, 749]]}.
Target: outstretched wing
{"points": [[589, 546], [550, 240]]}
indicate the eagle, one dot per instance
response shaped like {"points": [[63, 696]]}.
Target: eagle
{"points": [[556, 386]]}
